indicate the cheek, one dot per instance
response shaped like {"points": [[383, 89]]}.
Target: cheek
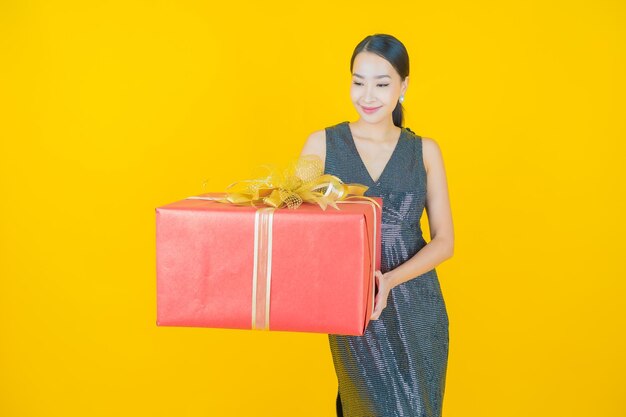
{"points": [[354, 94], [389, 95]]}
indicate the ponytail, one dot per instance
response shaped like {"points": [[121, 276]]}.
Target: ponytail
{"points": [[398, 115]]}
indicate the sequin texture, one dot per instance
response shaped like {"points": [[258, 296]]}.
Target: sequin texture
{"points": [[398, 367]]}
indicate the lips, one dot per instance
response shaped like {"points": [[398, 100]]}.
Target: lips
{"points": [[370, 109]]}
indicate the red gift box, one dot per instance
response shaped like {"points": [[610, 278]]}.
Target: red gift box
{"points": [[222, 265]]}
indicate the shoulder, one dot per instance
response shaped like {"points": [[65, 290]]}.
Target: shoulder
{"points": [[431, 152], [317, 136], [430, 145], [315, 144], [316, 141]]}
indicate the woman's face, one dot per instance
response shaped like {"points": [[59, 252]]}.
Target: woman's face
{"points": [[375, 85]]}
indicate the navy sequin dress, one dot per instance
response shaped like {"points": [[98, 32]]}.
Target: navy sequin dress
{"points": [[398, 367]]}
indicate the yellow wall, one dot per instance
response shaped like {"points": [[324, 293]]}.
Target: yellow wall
{"points": [[110, 109]]}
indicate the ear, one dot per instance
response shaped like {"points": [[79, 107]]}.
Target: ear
{"points": [[405, 85]]}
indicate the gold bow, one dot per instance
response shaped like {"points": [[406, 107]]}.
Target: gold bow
{"points": [[303, 180]]}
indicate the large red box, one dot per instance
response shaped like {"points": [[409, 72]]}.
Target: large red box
{"points": [[241, 267]]}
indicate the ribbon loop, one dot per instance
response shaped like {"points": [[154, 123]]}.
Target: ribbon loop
{"points": [[303, 181]]}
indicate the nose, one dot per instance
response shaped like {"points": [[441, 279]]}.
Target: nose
{"points": [[369, 93]]}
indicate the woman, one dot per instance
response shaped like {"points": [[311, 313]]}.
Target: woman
{"points": [[398, 367]]}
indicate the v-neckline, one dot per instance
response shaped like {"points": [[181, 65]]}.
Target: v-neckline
{"points": [[356, 151]]}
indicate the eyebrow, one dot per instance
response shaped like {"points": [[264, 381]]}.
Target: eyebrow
{"points": [[378, 76]]}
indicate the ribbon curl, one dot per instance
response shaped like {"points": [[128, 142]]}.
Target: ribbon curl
{"points": [[302, 181]]}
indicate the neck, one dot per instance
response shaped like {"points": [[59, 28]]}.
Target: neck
{"points": [[380, 131]]}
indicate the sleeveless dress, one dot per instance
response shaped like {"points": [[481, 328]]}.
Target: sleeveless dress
{"points": [[398, 367]]}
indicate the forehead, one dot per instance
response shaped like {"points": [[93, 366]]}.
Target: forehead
{"points": [[370, 65]]}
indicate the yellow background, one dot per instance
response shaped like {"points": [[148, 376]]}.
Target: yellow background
{"points": [[110, 109]]}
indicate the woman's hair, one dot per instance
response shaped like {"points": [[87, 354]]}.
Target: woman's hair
{"points": [[392, 50]]}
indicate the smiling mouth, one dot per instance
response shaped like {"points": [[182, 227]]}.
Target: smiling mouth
{"points": [[370, 110]]}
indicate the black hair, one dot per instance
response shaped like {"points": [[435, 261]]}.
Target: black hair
{"points": [[390, 48]]}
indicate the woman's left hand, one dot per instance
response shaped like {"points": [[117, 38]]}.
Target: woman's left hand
{"points": [[384, 288]]}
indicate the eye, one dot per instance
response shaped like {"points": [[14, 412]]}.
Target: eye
{"points": [[383, 85], [357, 83]]}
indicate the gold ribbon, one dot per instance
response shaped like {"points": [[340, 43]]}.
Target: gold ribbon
{"points": [[302, 181], [262, 272]]}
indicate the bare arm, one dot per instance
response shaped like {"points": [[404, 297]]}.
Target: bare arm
{"points": [[441, 245]]}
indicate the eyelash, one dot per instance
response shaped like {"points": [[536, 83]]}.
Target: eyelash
{"points": [[382, 85]]}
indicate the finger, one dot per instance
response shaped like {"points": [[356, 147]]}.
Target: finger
{"points": [[378, 311]]}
